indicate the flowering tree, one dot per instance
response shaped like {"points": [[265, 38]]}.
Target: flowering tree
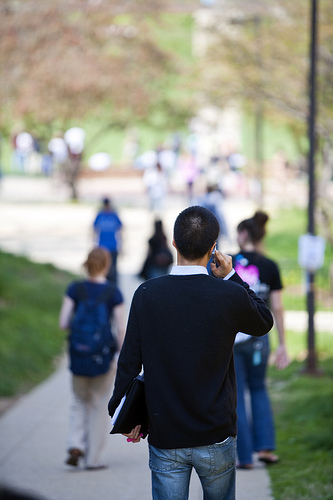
{"points": [[66, 58], [63, 60]]}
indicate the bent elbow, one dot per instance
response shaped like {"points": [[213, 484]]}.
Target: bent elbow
{"points": [[268, 323]]}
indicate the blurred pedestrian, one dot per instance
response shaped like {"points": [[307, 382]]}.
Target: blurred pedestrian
{"points": [[213, 200], [190, 172], [256, 434], [159, 258], [24, 146], [181, 330], [87, 309], [155, 183], [107, 229]]}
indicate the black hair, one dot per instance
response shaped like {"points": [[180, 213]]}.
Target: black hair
{"points": [[159, 238], [255, 226], [195, 231], [158, 226]]}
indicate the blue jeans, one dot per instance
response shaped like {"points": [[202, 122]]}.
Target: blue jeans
{"points": [[214, 464], [256, 433]]}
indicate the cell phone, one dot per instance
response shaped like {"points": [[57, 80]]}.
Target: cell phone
{"points": [[213, 256]]}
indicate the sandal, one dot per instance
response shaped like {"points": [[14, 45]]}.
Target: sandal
{"points": [[74, 456], [268, 458]]}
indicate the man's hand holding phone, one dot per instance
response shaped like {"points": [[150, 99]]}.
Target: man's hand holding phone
{"points": [[221, 265]]}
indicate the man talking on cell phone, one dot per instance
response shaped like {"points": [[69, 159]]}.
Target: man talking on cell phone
{"points": [[181, 331]]}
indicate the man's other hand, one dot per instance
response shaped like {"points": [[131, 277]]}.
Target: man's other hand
{"points": [[135, 435]]}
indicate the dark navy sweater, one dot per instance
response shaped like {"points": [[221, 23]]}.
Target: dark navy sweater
{"points": [[182, 330]]}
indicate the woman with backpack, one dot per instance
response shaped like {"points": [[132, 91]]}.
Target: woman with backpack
{"points": [[87, 309]]}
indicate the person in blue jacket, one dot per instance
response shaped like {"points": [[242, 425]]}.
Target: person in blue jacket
{"points": [[107, 228]]}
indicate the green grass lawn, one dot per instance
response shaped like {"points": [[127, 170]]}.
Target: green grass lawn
{"points": [[281, 244], [303, 411], [31, 341], [303, 405]]}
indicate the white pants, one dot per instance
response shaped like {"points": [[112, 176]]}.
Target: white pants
{"points": [[89, 421]]}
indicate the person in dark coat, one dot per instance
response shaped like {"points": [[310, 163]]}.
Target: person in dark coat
{"points": [[181, 331]]}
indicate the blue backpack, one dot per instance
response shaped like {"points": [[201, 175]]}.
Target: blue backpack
{"points": [[91, 344]]}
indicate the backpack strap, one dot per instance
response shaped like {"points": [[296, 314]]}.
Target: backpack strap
{"points": [[81, 291], [104, 296], [107, 293]]}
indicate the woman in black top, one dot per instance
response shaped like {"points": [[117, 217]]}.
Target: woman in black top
{"points": [[251, 354]]}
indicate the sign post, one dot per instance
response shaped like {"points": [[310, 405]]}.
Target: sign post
{"points": [[311, 367], [311, 252]]}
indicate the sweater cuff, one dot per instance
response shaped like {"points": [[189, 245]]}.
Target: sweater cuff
{"points": [[232, 272]]}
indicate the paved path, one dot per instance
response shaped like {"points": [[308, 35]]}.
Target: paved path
{"points": [[33, 430]]}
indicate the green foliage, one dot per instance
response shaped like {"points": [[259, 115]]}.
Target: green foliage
{"points": [[176, 35], [30, 343], [122, 67], [101, 137], [150, 90], [277, 135]]}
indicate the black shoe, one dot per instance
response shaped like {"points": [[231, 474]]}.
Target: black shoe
{"points": [[74, 456]]}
